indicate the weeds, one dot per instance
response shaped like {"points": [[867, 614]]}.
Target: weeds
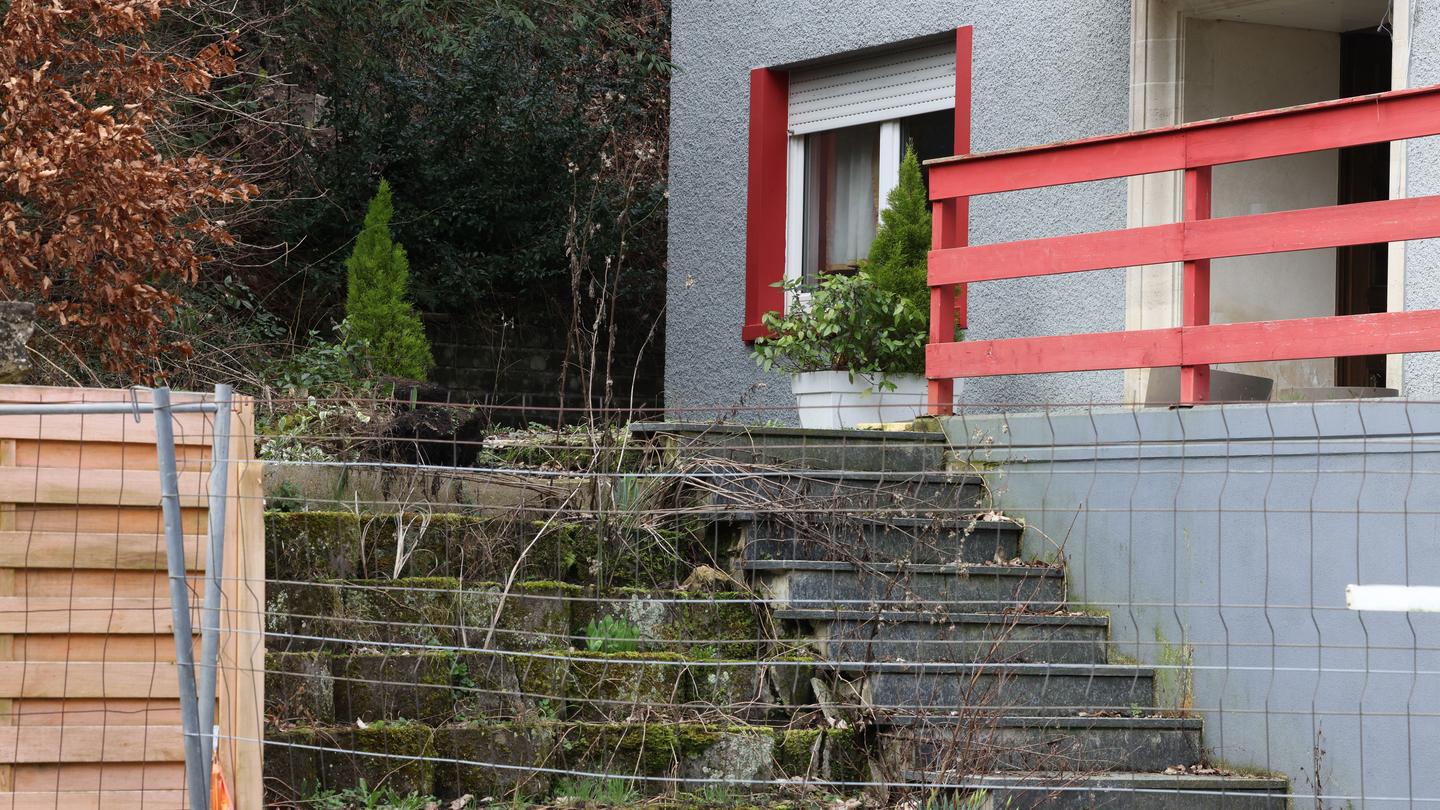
{"points": [[611, 635], [364, 797], [604, 792]]}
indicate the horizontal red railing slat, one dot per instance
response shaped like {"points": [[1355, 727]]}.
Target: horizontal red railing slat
{"points": [[1294, 339], [1392, 116], [1252, 234], [1196, 240]]}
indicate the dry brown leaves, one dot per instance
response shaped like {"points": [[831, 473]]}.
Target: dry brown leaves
{"points": [[94, 216]]}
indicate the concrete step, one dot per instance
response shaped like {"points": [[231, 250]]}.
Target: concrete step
{"points": [[1122, 791], [826, 536], [742, 493], [893, 451], [929, 689], [890, 586], [859, 635], [1061, 744]]}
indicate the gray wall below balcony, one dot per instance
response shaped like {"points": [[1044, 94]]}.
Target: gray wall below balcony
{"points": [[1224, 538], [1422, 178], [1045, 70]]}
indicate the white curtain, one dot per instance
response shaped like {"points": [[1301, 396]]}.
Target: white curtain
{"points": [[841, 177], [852, 205]]}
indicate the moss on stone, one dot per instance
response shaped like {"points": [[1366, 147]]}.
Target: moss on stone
{"points": [[299, 688], [391, 687], [419, 610], [303, 616], [527, 747], [611, 686], [842, 757], [304, 546], [397, 755]]}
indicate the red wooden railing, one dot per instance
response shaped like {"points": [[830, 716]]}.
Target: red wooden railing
{"points": [[1194, 149]]}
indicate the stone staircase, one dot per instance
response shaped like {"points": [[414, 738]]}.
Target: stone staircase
{"points": [[957, 654]]}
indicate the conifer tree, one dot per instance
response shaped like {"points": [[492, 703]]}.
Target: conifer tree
{"points": [[376, 308], [899, 253]]}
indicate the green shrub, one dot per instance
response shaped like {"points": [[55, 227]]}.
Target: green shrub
{"points": [[611, 635], [848, 324], [901, 248], [377, 312]]}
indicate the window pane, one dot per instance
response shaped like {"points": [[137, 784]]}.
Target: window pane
{"points": [[933, 135], [841, 177]]}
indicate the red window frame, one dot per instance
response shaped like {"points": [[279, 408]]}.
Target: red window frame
{"points": [[768, 174]]}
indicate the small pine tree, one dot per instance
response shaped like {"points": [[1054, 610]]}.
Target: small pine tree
{"points": [[899, 253], [376, 309]]}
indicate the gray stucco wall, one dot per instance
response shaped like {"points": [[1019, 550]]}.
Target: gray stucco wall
{"points": [[1221, 540], [1045, 70], [1422, 173]]}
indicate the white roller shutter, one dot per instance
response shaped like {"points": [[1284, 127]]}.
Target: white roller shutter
{"points": [[894, 84]]}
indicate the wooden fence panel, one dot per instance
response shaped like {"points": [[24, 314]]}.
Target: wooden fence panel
{"points": [[89, 710]]}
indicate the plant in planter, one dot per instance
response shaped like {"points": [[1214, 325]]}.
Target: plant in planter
{"points": [[856, 348], [855, 352]]}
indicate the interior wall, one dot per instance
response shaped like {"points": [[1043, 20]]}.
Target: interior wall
{"points": [[1232, 68]]}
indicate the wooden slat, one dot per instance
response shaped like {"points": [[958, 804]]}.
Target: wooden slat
{"points": [[42, 614], [1107, 350], [88, 679], [95, 800], [131, 552], [190, 428], [1279, 232], [1297, 339], [134, 713], [242, 652], [1155, 244], [1396, 115], [73, 487], [63, 744]]}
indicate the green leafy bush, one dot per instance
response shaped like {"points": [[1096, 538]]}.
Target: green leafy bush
{"points": [[377, 312], [611, 635], [848, 324], [899, 254]]}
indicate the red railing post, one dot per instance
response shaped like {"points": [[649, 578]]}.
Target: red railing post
{"points": [[942, 304], [1195, 379]]}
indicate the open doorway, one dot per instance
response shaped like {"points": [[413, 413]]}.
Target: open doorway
{"points": [[1201, 59], [1360, 271]]}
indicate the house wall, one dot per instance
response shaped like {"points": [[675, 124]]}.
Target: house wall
{"points": [[1045, 70], [1419, 167], [1220, 540]]}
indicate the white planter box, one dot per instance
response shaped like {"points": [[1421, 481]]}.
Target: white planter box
{"points": [[828, 399]]}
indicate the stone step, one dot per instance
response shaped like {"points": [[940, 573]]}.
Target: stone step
{"points": [[826, 536], [741, 493], [1061, 744], [498, 758], [890, 586], [858, 635], [1122, 791], [929, 689], [892, 451]]}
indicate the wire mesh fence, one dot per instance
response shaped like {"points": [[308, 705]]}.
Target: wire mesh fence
{"points": [[1065, 607]]}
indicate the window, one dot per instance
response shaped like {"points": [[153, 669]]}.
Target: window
{"points": [[842, 177], [825, 146], [839, 181]]}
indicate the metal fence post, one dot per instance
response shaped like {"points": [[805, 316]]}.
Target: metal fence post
{"points": [[197, 778], [214, 571]]}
